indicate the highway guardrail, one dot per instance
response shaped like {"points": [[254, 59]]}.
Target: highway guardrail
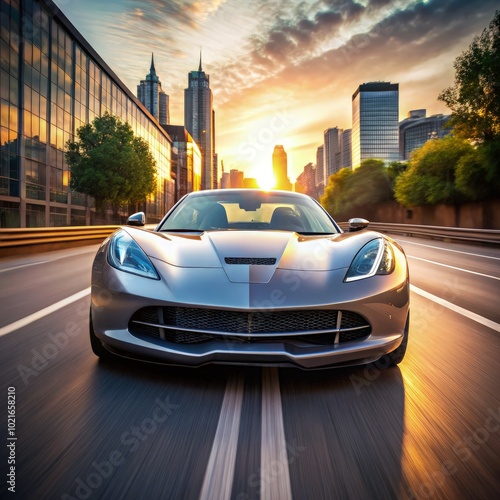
{"points": [[484, 236], [41, 239], [32, 240]]}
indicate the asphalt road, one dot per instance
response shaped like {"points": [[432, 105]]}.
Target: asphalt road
{"points": [[429, 428]]}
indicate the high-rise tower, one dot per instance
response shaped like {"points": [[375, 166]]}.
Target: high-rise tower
{"points": [[199, 121], [150, 93], [280, 168], [332, 150], [375, 122]]}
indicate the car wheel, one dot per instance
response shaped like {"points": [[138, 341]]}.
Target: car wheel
{"points": [[97, 347], [395, 357]]}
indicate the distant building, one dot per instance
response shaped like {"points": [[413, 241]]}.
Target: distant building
{"points": [[250, 182], [186, 161], [332, 147], [346, 149], [280, 168], [321, 177], [199, 120], [375, 126], [306, 181], [225, 180], [236, 177], [417, 129], [150, 93]]}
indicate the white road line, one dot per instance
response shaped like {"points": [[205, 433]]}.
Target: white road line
{"points": [[275, 474], [218, 481], [456, 268], [21, 266], [460, 310], [53, 259], [449, 249], [43, 312]]}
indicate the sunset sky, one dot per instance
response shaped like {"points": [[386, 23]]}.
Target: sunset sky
{"points": [[283, 71]]}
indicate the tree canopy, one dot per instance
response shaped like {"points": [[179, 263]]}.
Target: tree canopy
{"points": [[430, 176], [109, 163], [367, 185], [475, 97]]}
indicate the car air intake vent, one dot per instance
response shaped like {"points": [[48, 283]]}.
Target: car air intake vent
{"points": [[255, 261]]}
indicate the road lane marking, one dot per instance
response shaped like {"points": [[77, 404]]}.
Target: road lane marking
{"points": [[21, 266], [219, 475], [449, 249], [460, 310], [456, 268], [275, 474], [53, 259], [43, 312]]}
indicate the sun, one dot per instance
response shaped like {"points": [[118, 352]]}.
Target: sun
{"points": [[266, 181]]}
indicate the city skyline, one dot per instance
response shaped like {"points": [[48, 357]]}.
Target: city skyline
{"points": [[283, 72]]}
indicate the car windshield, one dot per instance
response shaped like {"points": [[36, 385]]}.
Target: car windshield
{"points": [[249, 210]]}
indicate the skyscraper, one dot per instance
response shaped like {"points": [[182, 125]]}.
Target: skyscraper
{"points": [[375, 125], [199, 121], [150, 93], [280, 168], [332, 150], [321, 178], [346, 149]]}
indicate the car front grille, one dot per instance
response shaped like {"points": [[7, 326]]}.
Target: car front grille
{"points": [[189, 325], [255, 261]]}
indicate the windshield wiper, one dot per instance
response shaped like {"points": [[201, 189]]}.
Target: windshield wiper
{"points": [[313, 233], [181, 230]]}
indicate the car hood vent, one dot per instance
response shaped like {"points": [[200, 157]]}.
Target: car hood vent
{"points": [[254, 261]]}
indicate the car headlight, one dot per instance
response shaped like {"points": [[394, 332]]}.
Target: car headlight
{"points": [[126, 255], [376, 257]]}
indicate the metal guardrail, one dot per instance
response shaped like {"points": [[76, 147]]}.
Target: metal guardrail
{"points": [[32, 240], [488, 236], [40, 239]]}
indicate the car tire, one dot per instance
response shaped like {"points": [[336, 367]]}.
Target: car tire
{"points": [[97, 347], [395, 357]]}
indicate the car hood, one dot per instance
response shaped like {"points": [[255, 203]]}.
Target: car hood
{"points": [[252, 256]]}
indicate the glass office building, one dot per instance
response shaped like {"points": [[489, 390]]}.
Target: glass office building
{"points": [[199, 119], [418, 128], [375, 125], [52, 82]]}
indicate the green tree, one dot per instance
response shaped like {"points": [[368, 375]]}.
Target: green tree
{"points": [[347, 190], [332, 197], [475, 97], [369, 184], [430, 176], [109, 163], [478, 172]]}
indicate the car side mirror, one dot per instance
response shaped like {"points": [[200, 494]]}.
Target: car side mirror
{"points": [[357, 224], [137, 219]]}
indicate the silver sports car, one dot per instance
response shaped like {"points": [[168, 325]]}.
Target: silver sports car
{"points": [[241, 276]]}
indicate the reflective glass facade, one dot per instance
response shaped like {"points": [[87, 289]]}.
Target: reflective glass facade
{"points": [[200, 123], [415, 132], [52, 82], [375, 125]]}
